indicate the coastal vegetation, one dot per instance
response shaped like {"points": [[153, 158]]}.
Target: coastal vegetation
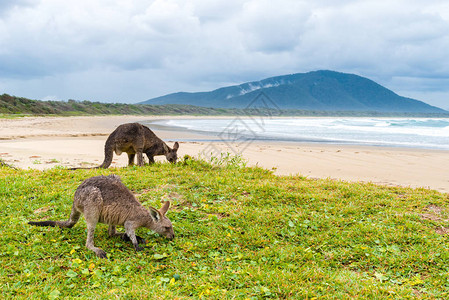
{"points": [[241, 232], [12, 106]]}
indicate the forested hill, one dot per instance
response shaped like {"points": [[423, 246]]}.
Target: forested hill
{"points": [[318, 90], [11, 105], [18, 105]]}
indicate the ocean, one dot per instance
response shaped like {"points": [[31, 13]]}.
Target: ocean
{"points": [[425, 133]]}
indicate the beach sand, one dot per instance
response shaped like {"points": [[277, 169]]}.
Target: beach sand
{"points": [[45, 142]]}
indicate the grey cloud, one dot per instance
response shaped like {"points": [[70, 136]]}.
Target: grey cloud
{"points": [[165, 46], [66, 42]]}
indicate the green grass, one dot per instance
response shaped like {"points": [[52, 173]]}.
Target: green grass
{"points": [[240, 233]]}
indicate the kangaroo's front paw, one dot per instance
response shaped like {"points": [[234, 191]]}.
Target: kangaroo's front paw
{"points": [[125, 238], [138, 248], [100, 253], [140, 240]]}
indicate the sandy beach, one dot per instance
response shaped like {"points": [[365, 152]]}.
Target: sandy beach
{"points": [[46, 142]]}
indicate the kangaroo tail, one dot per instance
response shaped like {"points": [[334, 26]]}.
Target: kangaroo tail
{"points": [[43, 223], [74, 217], [82, 168], [49, 223], [108, 153]]}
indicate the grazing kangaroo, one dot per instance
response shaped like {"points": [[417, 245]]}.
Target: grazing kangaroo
{"points": [[105, 199], [135, 138]]}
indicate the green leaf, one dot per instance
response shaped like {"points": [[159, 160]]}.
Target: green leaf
{"points": [[54, 294], [394, 249], [381, 277], [98, 273], [159, 256], [116, 270], [71, 274], [85, 272]]}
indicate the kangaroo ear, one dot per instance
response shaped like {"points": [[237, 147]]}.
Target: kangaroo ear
{"points": [[175, 146], [164, 208], [155, 214]]}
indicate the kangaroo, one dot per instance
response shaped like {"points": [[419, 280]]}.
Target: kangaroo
{"points": [[135, 138], [105, 199]]}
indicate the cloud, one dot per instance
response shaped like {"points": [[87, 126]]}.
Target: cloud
{"points": [[273, 27], [133, 50], [56, 38], [7, 5]]}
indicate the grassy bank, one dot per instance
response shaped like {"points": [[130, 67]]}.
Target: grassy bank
{"points": [[240, 233]]}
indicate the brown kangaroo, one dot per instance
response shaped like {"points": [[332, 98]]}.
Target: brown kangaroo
{"points": [[135, 138], [105, 199]]}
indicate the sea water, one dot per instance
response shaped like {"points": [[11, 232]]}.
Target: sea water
{"points": [[427, 133]]}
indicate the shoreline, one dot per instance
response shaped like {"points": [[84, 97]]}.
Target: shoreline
{"points": [[238, 135], [46, 142]]}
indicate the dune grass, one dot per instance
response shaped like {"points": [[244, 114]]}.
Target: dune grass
{"points": [[241, 233]]}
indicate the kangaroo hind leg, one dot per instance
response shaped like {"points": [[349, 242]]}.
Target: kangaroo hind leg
{"points": [[90, 240], [93, 201], [140, 161]]}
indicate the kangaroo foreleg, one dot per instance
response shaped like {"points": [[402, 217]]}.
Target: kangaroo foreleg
{"points": [[131, 159], [112, 232], [130, 232], [150, 158], [139, 239]]}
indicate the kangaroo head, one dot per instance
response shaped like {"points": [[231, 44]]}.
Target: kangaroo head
{"points": [[172, 154], [161, 224]]}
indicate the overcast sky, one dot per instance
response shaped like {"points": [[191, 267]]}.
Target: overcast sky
{"points": [[133, 50]]}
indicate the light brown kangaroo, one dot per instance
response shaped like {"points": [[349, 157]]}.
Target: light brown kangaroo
{"points": [[105, 199], [135, 138]]}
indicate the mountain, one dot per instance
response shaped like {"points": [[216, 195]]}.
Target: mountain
{"points": [[317, 90]]}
